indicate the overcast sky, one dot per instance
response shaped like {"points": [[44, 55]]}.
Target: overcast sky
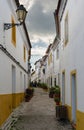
{"points": [[40, 24]]}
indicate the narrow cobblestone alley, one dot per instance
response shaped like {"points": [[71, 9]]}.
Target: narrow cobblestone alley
{"points": [[39, 114]]}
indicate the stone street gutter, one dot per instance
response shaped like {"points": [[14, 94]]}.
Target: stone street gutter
{"points": [[12, 119]]}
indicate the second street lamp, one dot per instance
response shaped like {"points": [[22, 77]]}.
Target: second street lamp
{"points": [[21, 15]]}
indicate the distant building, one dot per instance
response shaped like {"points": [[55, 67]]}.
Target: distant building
{"points": [[56, 61], [15, 51], [33, 76], [43, 69], [49, 68], [37, 70]]}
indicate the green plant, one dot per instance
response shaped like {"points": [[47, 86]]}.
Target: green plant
{"points": [[51, 92], [43, 85], [56, 99], [57, 94], [57, 90], [52, 89]]}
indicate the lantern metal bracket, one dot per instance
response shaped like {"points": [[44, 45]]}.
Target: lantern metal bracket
{"points": [[21, 14], [10, 25]]}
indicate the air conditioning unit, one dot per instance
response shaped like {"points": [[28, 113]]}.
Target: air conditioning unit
{"points": [[61, 112]]}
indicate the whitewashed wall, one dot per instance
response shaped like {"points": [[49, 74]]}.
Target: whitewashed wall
{"points": [[56, 65], [17, 52], [72, 54]]}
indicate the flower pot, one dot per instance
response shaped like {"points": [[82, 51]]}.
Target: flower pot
{"points": [[57, 103]]}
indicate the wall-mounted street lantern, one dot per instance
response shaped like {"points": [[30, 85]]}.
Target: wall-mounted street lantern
{"points": [[21, 15]]}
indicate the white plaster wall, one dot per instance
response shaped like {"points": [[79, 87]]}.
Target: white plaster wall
{"points": [[46, 69], [17, 52], [43, 76], [72, 54], [56, 65], [6, 75], [5, 36], [33, 77], [48, 73]]}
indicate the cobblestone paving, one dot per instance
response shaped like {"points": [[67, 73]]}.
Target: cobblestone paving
{"points": [[39, 114]]}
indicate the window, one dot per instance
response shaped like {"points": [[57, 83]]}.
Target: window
{"points": [[66, 29], [13, 33], [29, 54], [24, 53], [54, 81], [57, 52], [51, 81], [59, 79], [50, 59]]}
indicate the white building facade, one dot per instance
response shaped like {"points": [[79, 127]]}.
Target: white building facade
{"points": [[70, 14], [56, 66], [38, 70], [49, 67], [15, 50]]}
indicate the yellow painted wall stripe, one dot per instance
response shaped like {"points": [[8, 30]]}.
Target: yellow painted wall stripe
{"points": [[7, 103], [80, 118]]}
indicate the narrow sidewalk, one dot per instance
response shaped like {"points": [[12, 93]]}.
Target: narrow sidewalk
{"points": [[39, 114]]}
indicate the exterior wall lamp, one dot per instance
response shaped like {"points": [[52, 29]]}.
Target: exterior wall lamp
{"points": [[21, 15]]}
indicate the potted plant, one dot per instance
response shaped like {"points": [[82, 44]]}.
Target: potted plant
{"points": [[29, 94], [44, 86], [57, 95], [57, 100], [51, 92]]}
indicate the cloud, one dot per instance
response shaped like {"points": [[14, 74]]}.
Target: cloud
{"points": [[39, 43], [27, 3], [47, 38], [40, 21], [36, 53], [40, 24]]}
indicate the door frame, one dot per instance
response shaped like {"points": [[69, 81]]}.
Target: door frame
{"points": [[73, 98], [13, 86], [63, 87]]}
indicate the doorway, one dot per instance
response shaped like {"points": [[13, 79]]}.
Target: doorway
{"points": [[24, 82], [21, 81], [63, 87], [13, 86], [73, 95]]}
